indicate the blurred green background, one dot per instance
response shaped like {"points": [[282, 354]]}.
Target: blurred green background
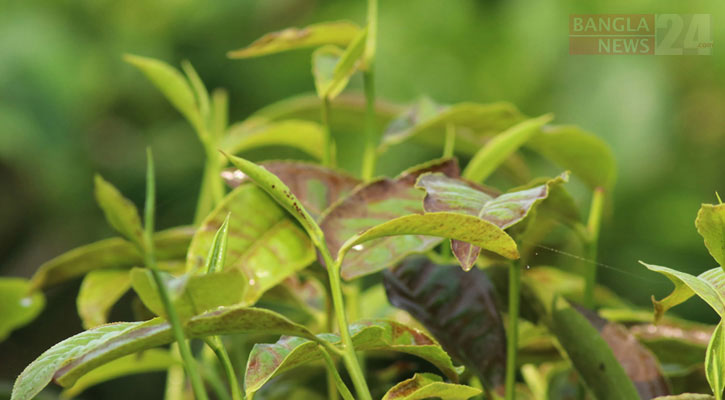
{"points": [[70, 107]]}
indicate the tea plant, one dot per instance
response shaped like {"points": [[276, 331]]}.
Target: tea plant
{"points": [[299, 249]]}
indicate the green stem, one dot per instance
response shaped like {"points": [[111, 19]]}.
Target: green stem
{"points": [[174, 378], [513, 329], [150, 261], [328, 155], [216, 345], [212, 186], [337, 382], [371, 137], [450, 143], [591, 245]]}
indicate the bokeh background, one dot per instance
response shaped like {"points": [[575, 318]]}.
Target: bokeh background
{"points": [[70, 107]]}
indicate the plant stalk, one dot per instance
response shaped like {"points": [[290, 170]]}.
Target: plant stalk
{"points": [[371, 136], [512, 339], [337, 383], [328, 155], [450, 144], [591, 245], [216, 345], [212, 186]]}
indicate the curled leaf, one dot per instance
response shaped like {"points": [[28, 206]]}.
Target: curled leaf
{"points": [[333, 68], [710, 224], [715, 362]]}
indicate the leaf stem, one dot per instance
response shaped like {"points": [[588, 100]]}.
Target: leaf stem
{"points": [[371, 137], [212, 186], [591, 245], [150, 261], [450, 143], [328, 155], [216, 345], [337, 383], [513, 329]]}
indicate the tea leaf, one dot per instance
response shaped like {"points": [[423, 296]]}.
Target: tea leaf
{"points": [[376, 203], [109, 254], [202, 95], [316, 187], [72, 358], [460, 197], [120, 212], [264, 244], [268, 360], [584, 154], [715, 362], [501, 146], [190, 294], [710, 224], [425, 386], [679, 347], [571, 286], [147, 361], [459, 308], [332, 68], [708, 286], [173, 85], [100, 290], [307, 136], [18, 304], [339, 33], [218, 250], [324, 61], [686, 396]]}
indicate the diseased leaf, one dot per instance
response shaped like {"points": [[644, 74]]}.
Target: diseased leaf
{"points": [[459, 308], [639, 363], [501, 146], [265, 244], [190, 294], [715, 362], [710, 224], [307, 136], [18, 304], [110, 254], [425, 386], [269, 360], [72, 358], [172, 84], [100, 290], [708, 286], [332, 68], [120, 212], [584, 154], [316, 187], [147, 361], [339, 33], [461, 197], [373, 204]]}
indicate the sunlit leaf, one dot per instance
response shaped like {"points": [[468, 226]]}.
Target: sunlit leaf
{"points": [[584, 154], [190, 294], [339, 33], [501, 146], [100, 290], [120, 212], [316, 187], [109, 254], [264, 244], [18, 304], [686, 396], [715, 362], [269, 360], [332, 67], [445, 194], [147, 361], [425, 386], [708, 286], [307, 136], [460, 310], [72, 358], [710, 224]]}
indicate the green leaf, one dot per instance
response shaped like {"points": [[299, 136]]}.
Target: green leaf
{"points": [[109, 254], [686, 396], [715, 362], [339, 33], [332, 68], [583, 153], [173, 85], [425, 386], [18, 304], [679, 346], [265, 244], [74, 357], [708, 286], [316, 187], [307, 136], [427, 121], [571, 286], [100, 290], [376, 203], [459, 308], [120, 212], [200, 92], [268, 360], [501, 146], [218, 250], [190, 294], [444, 194], [710, 224], [147, 361]]}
